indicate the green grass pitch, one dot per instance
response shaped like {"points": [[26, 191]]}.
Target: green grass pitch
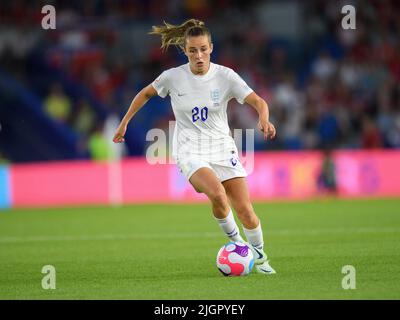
{"points": [[168, 251]]}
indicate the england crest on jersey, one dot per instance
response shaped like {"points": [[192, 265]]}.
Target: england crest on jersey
{"points": [[215, 97]]}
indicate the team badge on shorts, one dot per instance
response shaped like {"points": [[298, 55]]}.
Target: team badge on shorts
{"points": [[215, 97], [234, 161]]}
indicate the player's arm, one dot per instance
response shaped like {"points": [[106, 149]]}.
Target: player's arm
{"points": [[138, 102], [261, 106]]}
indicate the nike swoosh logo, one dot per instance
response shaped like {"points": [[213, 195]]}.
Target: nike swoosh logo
{"points": [[267, 271], [258, 252], [181, 94]]}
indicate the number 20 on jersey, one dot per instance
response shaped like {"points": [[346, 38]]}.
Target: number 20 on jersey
{"points": [[198, 113]]}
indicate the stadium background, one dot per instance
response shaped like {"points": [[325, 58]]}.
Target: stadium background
{"points": [[334, 96]]}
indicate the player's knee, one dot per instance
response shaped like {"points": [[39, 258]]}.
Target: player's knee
{"points": [[218, 197], [244, 209], [246, 214]]}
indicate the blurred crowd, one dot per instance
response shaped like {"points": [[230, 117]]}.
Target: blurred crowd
{"points": [[326, 86]]}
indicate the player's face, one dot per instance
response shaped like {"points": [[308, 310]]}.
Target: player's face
{"points": [[198, 50]]}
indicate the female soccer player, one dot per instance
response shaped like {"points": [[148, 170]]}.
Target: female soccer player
{"points": [[202, 146]]}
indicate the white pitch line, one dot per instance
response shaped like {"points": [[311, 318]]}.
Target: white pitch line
{"points": [[189, 235], [11, 239]]}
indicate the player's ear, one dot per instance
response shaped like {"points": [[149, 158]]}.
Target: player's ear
{"points": [[211, 47], [185, 51]]}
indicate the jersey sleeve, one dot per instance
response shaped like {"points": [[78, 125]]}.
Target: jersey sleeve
{"points": [[239, 88], [161, 84]]}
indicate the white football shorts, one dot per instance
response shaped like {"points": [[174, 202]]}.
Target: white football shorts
{"points": [[224, 170]]}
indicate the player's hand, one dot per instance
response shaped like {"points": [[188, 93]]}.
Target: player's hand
{"points": [[267, 128], [120, 133]]}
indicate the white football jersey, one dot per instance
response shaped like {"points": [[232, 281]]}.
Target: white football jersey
{"points": [[199, 103]]}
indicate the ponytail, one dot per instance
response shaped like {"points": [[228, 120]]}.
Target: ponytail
{"points": [[176, 35]]}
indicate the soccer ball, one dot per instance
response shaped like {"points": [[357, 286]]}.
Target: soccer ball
{"points": [[235, 259]]}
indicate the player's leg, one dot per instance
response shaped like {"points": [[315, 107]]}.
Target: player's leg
{"points": [[238, 194], [205, 181]]}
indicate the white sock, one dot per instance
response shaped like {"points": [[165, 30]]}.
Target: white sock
{"points": [[229, 226], [255, 236]]}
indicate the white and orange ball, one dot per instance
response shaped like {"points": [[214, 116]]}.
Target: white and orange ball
{"points": [[235, 259]]}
